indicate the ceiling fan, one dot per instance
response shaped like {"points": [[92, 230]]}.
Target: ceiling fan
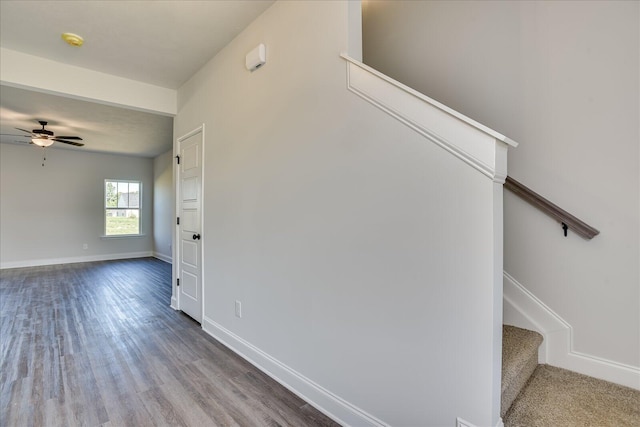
{"points": [[44, 138]]}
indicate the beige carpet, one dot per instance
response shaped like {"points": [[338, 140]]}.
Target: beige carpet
{"points": [[519, 361], [556, 397]]}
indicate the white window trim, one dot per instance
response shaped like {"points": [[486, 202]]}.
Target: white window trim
{"points": [[104, 234], [121, 236]]}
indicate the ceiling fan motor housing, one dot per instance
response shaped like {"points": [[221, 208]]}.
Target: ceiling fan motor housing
{"points": [[43, 131]]}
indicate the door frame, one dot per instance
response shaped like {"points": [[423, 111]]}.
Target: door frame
{"points": [[175, 294]]}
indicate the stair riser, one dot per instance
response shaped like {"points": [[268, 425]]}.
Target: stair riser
{"points": [[512, 391], [519, 360]]}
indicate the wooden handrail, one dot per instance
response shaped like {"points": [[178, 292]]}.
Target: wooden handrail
{"points": [[567, 220]]}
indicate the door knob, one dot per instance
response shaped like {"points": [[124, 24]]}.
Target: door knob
{"points": [[196, 237]]}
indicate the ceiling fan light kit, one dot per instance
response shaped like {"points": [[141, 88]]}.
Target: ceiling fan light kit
{"points": [[73, 39], [42, 141]]}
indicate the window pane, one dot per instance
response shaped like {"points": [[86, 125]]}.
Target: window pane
{"points": [[134, 195], [111, 194], [123, 194], [122, 213], [122, 221]]}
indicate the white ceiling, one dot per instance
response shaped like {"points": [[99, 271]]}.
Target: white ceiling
{"points": [[158, 42]]}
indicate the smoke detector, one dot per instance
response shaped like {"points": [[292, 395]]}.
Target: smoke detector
{"points": [[73, 39]]}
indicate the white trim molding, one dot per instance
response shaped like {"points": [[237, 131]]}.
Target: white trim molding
{"points": [[71, 260], [464, 423], [163, 257], [175, 275], [322, 399], [475, 144], [523, 309]]}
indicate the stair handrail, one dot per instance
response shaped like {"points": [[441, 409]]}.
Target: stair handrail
{"points": [[567, 220]]}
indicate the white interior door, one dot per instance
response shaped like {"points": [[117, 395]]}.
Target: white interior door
{"points": [[189, 228]]}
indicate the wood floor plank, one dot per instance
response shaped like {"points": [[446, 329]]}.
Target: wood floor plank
{"points": [[216, 403], [81, 393], [185, 404], [96, 344], [121, 400], [15, 403], [162, 411], [279, 405]]}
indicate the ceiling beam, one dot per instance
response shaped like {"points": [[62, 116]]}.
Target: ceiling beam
{"points": [[44, 75]]}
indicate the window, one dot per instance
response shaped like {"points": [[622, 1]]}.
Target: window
{"points": [[122, 207]]}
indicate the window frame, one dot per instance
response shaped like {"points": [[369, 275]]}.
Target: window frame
{"points": [[105, 208]]}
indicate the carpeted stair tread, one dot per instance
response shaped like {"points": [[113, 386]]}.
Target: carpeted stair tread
{"points": [[557, 397], [519, 360]]}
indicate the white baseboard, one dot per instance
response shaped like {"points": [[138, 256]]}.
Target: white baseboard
{"points": [[163, 257], [523, 309], [71, 260], [322, 399], [174, 303], [463, 423]]}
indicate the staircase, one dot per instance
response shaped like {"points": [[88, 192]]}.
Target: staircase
{"points": [[519, 360], [472, 145]]}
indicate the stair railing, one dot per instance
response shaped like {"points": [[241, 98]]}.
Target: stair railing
{"points": [[567, 220]]}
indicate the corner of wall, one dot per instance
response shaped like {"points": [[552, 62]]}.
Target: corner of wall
{"points": [[163, 257]]}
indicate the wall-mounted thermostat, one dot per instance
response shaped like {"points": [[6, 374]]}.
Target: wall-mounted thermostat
{"points": [[256, 58]]}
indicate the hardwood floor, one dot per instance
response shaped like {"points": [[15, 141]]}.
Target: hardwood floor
{"points": [[96, 344]]}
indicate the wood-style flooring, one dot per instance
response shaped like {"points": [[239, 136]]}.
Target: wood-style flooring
{"points": [[96, 344]]}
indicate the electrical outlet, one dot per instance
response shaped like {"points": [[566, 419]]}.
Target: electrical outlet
{"points": [[238, 309], [85, 246]]}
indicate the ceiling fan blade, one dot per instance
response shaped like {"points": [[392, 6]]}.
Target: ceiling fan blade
{"points": [[77, 144], [24, 130], [77, 138]]}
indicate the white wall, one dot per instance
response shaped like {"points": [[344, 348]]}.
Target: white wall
{"points": [[48, 213], [163, 205], [360, 251], [561, 78]]}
